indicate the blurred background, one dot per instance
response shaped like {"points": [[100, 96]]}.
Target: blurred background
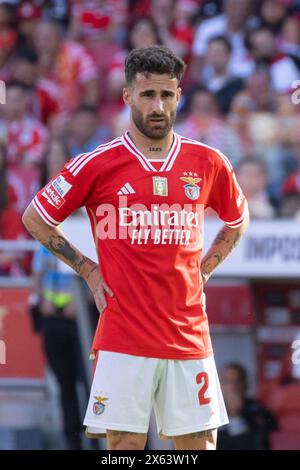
{"points": [[62, 65]]}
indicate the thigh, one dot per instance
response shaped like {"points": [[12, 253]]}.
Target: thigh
{"points": [[121, 394], [202, 440], [122, 440], [189, 398]]}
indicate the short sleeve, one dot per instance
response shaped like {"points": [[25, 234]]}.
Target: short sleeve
{"points": [[67, 191], [226, 196]]}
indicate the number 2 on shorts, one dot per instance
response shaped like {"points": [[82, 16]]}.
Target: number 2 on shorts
{"points": [[203, 378]]}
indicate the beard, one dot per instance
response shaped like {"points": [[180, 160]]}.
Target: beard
{"points": [[153, 130]]}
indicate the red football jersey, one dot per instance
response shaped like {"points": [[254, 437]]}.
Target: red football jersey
{"points": [[146, 217]]}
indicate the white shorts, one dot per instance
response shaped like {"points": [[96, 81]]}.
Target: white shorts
{"points": [[185, 394]]}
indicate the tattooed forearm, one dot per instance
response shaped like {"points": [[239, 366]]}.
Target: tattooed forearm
{"points": [[221, 237], [94, 268], [219, 256], [60, 247], [53, 239], [226, 240], [238, 236]]}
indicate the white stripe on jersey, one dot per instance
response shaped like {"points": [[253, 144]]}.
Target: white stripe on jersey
{"points": [[170, 154], [129, 188], [186, 140], [94, 155], [80, 158], [77, 160], [145, 163], [236, 223], [167, 165], [124, 190], [172, 160], [41, 211]]}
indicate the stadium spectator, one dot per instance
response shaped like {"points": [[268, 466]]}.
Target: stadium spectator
{"points": [[28, 16], [12, 262], [261, 44], [250, 423], [8, 38], [252, 177], [26, 137], [95, 21], [267, 125], [272, 14], [290, 190], [85, 133], [142, 32], [232, 23], [290, 38], [289, 207], [217, 75], [58, 11], [44, 94], [26, 140], [203, 122], [254, 116], [174, 22], [258, 96], [284, 399], [68, 65]]}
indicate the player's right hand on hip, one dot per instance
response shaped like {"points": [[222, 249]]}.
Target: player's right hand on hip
{"points": [[98, 287]]}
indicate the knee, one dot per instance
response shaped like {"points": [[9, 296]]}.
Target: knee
{"points": [[123, 440]]}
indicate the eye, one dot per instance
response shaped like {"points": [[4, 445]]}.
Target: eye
{"points": [[167, 94], [148, 94]]}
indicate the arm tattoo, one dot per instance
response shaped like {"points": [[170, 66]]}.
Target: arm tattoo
{"points": [[60, 247], [221, 237], [222, 246], [95, 268], [219, 256]]}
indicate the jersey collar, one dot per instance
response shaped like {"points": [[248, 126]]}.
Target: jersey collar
{"points": [[145, 162]]}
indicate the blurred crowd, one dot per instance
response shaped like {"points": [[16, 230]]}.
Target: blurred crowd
{"points": [[62, 62]]}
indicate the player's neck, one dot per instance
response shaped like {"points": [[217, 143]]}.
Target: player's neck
{"points": [[152, 149]]}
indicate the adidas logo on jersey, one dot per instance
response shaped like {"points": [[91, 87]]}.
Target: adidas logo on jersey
{"points": [[126, 189]]}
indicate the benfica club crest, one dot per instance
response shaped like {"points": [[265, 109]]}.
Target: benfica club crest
{"points": [[191, 189], [99, 406]]}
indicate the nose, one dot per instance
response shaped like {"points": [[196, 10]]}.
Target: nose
{"points": [[158, 106]]}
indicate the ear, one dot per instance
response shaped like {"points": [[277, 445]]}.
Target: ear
{"points": [[127, 96], [178, 94]]}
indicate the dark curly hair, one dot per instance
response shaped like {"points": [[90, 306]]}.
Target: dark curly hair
{"points": [[154, 59]]}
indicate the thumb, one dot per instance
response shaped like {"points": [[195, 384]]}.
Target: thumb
{"points": [[108, 290]]}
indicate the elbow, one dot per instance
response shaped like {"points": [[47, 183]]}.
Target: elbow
{"points": [[246, 222], [27, 219]]}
